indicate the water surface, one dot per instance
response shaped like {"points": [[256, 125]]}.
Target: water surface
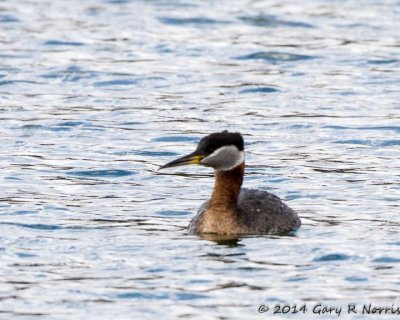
{"points": [[96, 95]]}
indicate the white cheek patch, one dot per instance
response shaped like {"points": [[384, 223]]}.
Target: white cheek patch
{"points": [[225, 158]]}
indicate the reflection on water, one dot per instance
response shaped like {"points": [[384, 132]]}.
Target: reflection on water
{"points": [[96, 95], [229, 240]]}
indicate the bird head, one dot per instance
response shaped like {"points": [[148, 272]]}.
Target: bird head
{"points": [[222, 151]]}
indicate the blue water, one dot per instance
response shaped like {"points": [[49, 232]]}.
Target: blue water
{"points": [[96, 95]]}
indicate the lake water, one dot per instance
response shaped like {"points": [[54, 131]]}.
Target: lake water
{"points": [[96, 95]]}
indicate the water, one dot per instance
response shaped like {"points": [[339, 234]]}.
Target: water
{"points": [[95, 95]]}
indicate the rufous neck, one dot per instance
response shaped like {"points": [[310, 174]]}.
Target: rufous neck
{"points": [[227, 186]]}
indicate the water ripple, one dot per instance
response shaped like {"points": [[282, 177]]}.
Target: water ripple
{"points": [[259, 90], [63, 43], [273, 22], [36, 226], [275, 56], [7, 18], [190, 21], [102, 173], [374, 143], [332, 257], [386, 260], [119, 82]]}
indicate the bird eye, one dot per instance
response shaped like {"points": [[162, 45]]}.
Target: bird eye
{"points": [[210, 150]]}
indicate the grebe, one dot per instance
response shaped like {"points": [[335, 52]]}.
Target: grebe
{"points": [[232, 210]]}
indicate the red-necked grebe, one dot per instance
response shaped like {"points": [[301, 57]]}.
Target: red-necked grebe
{"points": [[232, 210]]}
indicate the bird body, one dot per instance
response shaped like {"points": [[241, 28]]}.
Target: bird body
{"points": [[232, 210]]}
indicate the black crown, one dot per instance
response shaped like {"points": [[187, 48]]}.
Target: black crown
{"points": [[217, 140]]}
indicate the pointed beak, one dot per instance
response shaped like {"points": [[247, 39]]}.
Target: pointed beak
{"points": [[193, 158]]}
